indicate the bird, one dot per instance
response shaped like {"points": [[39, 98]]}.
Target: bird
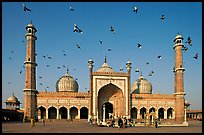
{"points": [[100, 42], [23, 66], [139, 45], [11, 51], [189, 41], [63, 65], [78, 46], [58, 67], [36, 54], [147, 63], [196, 56], [47, 87], [135, 9], [137, 70], [185, 49], [109, 49], [49, 57], [162, 18], [43, 56], [41, 84], [121, 68], [75, 28], [25, 8], [71, 9], [64, 54], [20, 72], [150, 74], [48, 65], [159, 56], [76, 79], [40, 77], [10, 58], [112, 29]]}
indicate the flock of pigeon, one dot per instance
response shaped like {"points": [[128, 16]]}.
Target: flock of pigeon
{"points": [[76, 29]]}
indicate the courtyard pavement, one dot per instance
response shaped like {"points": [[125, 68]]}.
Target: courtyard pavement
{"points": [[84, 127]]}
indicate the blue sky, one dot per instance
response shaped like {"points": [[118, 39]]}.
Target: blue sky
{"points": [[54, 23]]}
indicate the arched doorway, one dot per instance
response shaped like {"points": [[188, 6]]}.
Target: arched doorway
{"points": [[73, 112], [52, 113], [170, 113], [108, 110], [142, 113], [41, 112], [134, 113], [112, 97], [161, 113], [63, 113], [84, 113]]}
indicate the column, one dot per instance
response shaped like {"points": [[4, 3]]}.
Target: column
{"points": [[68, 115], [79, 113], [138, 114], [165, 114], [46, 113], [104, 114], [184, 115]]}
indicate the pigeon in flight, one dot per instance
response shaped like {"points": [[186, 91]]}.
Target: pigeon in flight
{"points": [[71, 9], [76, 29], [159, 56], [196, 56], [147, 63], [112, 29], [162, 18], [121, 68], [185, 49], [25, 8], [139, 45], [49, 57], [48, 65], [189, 41], [40, 77], [109, 50], [64, 54], [78, 46], [100, 42], [20, 72], [58, 67], [135, 9]]}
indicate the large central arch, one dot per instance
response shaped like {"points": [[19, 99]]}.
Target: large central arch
{"points": [[113, 95]]}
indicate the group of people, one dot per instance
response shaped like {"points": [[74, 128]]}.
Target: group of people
{"points": [[119, 122]]}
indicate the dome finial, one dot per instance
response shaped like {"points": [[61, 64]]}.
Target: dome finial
{"points": [[30, 21], [105, 59], [67, 72]]}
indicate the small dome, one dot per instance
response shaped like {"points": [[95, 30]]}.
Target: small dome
{"points": [[141, 86], [178, 36], [30, 25], [67, 83], [13, 98], [105, 67], [186, 103]]}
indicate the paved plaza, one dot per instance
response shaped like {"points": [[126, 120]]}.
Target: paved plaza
{"points": [[84, 127]]}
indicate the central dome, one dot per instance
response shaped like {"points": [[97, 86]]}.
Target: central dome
{"points": [[67, 83], [105, 67], [142, 86]]}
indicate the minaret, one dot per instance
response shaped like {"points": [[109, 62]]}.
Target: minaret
{"points": [[128, 67], [178, 80], [90, 63], [30, 97]]}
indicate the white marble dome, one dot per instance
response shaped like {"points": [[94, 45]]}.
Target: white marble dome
{"points": [[141, 86], [67, 83]]}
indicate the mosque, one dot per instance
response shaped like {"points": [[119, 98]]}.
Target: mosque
{"points": [[110, 93]]}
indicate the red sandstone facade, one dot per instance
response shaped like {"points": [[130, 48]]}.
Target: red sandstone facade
{"points": [[110, 93]]}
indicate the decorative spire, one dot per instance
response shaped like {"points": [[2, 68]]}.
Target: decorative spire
{"points": [[67, 72], [105, 59], [30, 21]]}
